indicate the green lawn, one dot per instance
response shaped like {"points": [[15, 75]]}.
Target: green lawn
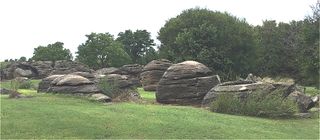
{"points": [[60, 116]]}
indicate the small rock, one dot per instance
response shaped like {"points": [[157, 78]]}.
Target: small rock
{"points": [[100, 97]]}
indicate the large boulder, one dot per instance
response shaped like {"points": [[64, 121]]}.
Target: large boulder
{"points": [[67, 67], [106, 71], [186, 83], [133, 72], [46, 83], [18, 72], [44, 68], [122, 81], [244, 88], [68, 84], [131, 69], [19, 69], [152, 73]]}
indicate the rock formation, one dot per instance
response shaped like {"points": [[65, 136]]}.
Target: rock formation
{"points": [[186, 83], [152, 73], [244, 88]]}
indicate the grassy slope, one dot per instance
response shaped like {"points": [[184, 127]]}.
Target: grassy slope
{"points": [[60, 116]]}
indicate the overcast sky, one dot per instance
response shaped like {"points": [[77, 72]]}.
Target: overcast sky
{"points": [[26, 24]]}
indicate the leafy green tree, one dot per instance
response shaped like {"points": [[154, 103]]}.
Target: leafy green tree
{"points": [[137, 44], [101, 50], [280, 48], [220, 41], [310, 52], [22, 59], [51, 52]]}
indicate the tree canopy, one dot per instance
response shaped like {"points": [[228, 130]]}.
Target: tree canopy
{"points": [[222, 42], [51, 52], [101, 50], [138, 45]]}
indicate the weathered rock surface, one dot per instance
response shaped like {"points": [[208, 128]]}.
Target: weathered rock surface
{"points": [[133, 72], [100, 97], [242, 89], [152, 73], [122, 81], [87, 75], [19, 69], [67, 67], [46, 83], [67, 84], [185, 83], [44, 68], [106, 71]]}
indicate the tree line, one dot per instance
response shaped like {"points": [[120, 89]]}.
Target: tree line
{"points": [[228, 45]]}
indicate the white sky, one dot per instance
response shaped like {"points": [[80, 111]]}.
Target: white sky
{"points": [[26, 24]]}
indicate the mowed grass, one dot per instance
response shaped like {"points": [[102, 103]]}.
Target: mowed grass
{"points": [[47, 116]]}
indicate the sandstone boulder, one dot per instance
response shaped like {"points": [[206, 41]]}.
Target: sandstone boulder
{"points": [[18, 72], [87, 75], [100, 97], [73, 80], [133, 73], [106, 71], [243, 89], [67, 67], [152, 73], [73, 84], [44, 68], [186, 83], [46, 83], [19, 69]]}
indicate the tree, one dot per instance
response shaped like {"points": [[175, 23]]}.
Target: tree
{"points": [[101, 50], [51, 52], [310, 51], [22, 59], [219, 40], [137, 44]]}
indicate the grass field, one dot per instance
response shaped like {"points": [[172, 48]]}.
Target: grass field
{"points": [[47, 116]]}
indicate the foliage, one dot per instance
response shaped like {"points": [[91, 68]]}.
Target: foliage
{"points": [[22, 59], [255, 105], [138, 45], [68, 117], [16, 85], [220, 41], [312, 91], [101, 50], [51, 52], [4, 64], [109, 88], [290, 49], [26, 85]]}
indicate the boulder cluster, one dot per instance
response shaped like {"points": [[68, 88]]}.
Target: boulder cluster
{"points": [[185, 83], [42, 69]]}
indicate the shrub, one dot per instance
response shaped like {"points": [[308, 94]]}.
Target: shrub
{"points": [[261, 105], [21, 84], [109, 87], [26, 85]]}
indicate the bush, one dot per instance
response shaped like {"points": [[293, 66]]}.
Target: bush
{"points": [[271, 105], [26, 85], [21, 84], [109, 87]]}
